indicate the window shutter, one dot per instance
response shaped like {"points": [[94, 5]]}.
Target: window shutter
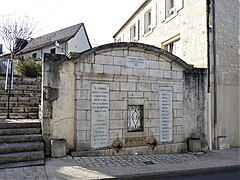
{"points": [[136, 30], [142, 25], [154, 15], [179, 4], [162, 10]]}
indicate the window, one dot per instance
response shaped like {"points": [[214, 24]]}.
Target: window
{"points": [[53, 51], [169, 8], [133, 33], [147, 21], [34, 55], [173, 47], [135, 118], [138, 29]]}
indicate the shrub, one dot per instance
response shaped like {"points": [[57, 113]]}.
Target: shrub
{"points": [[29, 68], [1, 68]]}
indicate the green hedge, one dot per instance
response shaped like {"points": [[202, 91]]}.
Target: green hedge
{"points": [[28, 68]]}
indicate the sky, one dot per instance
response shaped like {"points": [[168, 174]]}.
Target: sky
{"points": [[102, 18]]}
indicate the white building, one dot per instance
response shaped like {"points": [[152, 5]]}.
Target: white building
{"points": [[204, 33], [70, 39]]}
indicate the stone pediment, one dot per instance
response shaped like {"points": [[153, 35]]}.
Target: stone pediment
{"points": [[112, 48]]}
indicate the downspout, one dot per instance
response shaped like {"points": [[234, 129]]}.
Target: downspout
{"points": [[209, 79], [214, 69]]}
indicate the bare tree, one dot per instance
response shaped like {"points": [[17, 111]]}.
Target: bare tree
{"points": [[14, 29]]}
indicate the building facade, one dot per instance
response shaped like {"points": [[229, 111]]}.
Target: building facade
{"points": [[204, 33], [64, 41]]}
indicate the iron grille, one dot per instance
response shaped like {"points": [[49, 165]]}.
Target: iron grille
{"points": [[135, 118]]}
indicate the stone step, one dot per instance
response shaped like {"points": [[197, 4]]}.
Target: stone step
{"points": [[16, 131], [20, 99], [29, 115], [19, 109], [21, 147], [21, 156], [22, 164], [19, 104], [15, 92], [20, 138], [13, 123], [23, 81]]}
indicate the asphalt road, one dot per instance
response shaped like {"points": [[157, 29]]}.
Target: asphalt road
{"points": [[227, 175]]}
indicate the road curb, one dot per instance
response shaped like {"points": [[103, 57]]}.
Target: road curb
{"points": [[179, 172]]}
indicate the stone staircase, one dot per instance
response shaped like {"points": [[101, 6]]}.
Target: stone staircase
{"points": [[24, 99], [21, 141]]}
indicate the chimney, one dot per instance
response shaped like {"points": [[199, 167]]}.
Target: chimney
{"points": [[1, 50]]}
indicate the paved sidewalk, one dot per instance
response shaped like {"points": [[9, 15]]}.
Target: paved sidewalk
{"points": [[103, 167]]}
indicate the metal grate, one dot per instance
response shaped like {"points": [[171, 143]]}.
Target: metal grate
{"points": [[135, 118]]}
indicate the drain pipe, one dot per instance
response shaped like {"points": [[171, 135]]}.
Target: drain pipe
{"points": [[215, 70], [209, 74]]}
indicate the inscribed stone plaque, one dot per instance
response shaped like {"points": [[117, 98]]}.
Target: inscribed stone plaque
{"points": [[135, 141], [100, 115], [165, 108], [136, 62]]}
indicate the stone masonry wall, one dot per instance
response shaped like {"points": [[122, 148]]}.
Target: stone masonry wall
{"points": [[129, 86], [227, 51]]}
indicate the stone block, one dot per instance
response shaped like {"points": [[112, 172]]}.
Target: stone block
{"points": [[117, 124], [118, 95], [83, 105], [83, 125], [121, 78], [152, 64], [81, 115], [177, 113], [58, 148], [178, 88], [107, 69], [164, 65], [151, 105], [194, 144], [156, 73], [177, 75], [118, 105], [97, 68], [178, 105], [151, 95], [114, 86], [119, 61], [141, 72], [82, 135], [153, 114], [154, 131], [177, 96], [128, 86], [151, 122], [101, 59], [135, 94], [119, 53], [116, 114], [83, 146], [116, 133], [127, 71], [143, 87], [83, 94], [133, 79], [167, 74], [87, 68], [222, 142]]}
